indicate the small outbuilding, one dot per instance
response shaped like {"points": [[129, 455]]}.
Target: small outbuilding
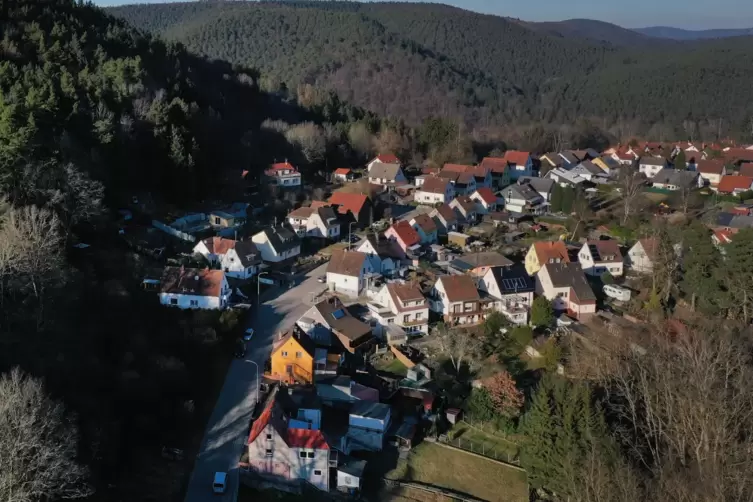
{"points": [[350, 474]]}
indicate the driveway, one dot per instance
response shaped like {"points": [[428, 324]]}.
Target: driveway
{"points": [[227, 430]]}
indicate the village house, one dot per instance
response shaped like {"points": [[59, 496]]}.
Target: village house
{"points": [[565, 285], [511, 290], [277, 244], [564, 178], [223, 219], [522, 198], [403, 305], [650, 166], [445, 218], [642, 255], [350, 474], [383, 173], [465, 207], [542, 186], [355, 207], [734, 184], [607, 164], [478, 263], [426, 228], [382, 158], [711, 171], [330, 324], [368, 423], [570, 160], [599, 256], [551, 160], [434, 190], [347, 272], [499, 170], [405, 236], [482, 176], [456, 298], [284, 174], [239, 259], [486, 201], [543, 252], [746, 170], [292, 358], [673, 180], [193, 288], [342, 390], [321, 222], [624, 158], [276, 448], [342, 174], [590, 172], [462, 183], [386, 255], [519, 163]]}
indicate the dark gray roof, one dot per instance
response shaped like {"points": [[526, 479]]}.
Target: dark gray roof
{"points": [[513, 280], [353, 467], [524, 192], [281, 238], [486, 259], [734, 220], [369, 409], [653, 161], [541, 185], [386, 171], [553, 158], [569, 157], [570, 274], [247, 253], [385, 248], [591, 167], [339, 318], [328, 216], [667, 176]]}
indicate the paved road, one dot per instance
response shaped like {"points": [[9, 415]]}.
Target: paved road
{"points": [[227, 430]]}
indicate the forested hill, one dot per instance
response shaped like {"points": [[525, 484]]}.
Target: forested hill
{"points": [[597, 31], [416, 60]]}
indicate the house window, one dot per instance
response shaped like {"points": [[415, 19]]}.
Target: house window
{"points": [[418, 316], [302, 454], [268, 452], [194, 303], [284, 354], [311, 454], [390, 321], [298, 355], [317, 472], [406, 318], [173, 301], [216, 220], [269, 437]]}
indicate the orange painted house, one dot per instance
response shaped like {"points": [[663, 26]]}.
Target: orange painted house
{"points": [[292, 358]]}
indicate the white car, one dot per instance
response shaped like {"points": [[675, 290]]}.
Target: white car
{"points": [[248, 334], [220, 483]]}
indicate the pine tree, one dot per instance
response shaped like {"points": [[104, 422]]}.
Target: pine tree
{"points": [[738, 274], [680, 162], [542, 313], [568, 199], [556, 200], [700, 281]]}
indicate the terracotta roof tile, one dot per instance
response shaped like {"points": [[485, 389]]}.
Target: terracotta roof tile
{"points": [[192, 281], [547, 251], [434, 184], [497, 165], [280, 166], [352, 202], [746, 170], [459, 288], [426, 223], [406, 233], [517, 157], [732, 183], [608, 250], [487, 195], [346, 262], [306, 438], [342, 170], [387, 158], [710, 166], [218, 245], [301, 212]]}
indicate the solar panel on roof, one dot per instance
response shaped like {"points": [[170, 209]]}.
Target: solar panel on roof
{"points": [[338, 314]]}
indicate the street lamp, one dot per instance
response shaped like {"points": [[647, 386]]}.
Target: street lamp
{"points": [[258, 284], [349, 228], [257, 379]]}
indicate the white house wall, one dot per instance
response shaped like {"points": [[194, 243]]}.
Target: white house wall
{"points": [[191, 301]]}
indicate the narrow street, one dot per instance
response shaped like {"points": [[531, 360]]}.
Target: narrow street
{"points": [[225, 435]]}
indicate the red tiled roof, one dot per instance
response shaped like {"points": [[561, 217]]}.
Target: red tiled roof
{"points": [[279, 167], [218, 245], [459, 288], [306, 438], [342, 170], [434, 184], [710, 166], [352, 202], [724, 236], [746, 170], [624, 156], [448, 214], [517, 157], [387, 158], [317, 204], [730, 183], [426, 223], [260, 423], [192, 281], [406, 233], [458, 168], [497, 165], [551, 250], [607, 248], [301, 212], [487, 195], [735, 154]]}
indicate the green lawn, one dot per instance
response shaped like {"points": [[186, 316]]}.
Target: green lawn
{"points": [[395, 367], [456, 470], [486, 442]]}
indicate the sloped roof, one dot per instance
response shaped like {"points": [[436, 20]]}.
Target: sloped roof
{"points": [[281, 238], [306, 438], [384, 171], [517, 157], [405, 293], [305, 342], [653, 161], [352, 202], [191, 281], [218, 245], [280, 166], [605, 250], [447, 213], [301, 212], [426, 223], [553, 159], [342, 170], [339, 318], [541, 185], [388, 158], [485, 259], [346, 262], [385, 247], [650, 246], [497, 165], [730, 183], [487, 195], [710, 166], [570, 274], [458, 168], [669, 176], [512, 280], [434, 184], [247, 252], [459, 288], [328, 216], [521, 191], [406, 233], [551, 250], [746, 170], [466, 203]]}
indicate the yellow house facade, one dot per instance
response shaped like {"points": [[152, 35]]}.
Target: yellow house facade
{"points": [[292, 358], [543, 252]]}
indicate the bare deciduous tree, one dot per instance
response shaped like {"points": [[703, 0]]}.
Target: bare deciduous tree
{"points": [[38, 445], [631, 185], [310, 138], [459, 344]]}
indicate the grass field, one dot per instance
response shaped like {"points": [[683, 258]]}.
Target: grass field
{"points": [[394, 367], [502, 447], [465, 473]]}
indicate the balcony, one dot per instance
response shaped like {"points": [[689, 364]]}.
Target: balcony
{"points": [[416, 322]]}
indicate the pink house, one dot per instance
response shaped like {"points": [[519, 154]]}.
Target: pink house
{"points": [[405, 236]]}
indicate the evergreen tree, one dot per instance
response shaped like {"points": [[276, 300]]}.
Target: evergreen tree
{"points": [[700, 281], [568, 199], [738, 279], [680, 161], [542, 314], [556, 200]]}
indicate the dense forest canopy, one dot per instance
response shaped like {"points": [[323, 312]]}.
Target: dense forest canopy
{"points": [[414, 61]]}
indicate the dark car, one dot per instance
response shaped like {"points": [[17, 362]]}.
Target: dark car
{"points": [[240, 350]]}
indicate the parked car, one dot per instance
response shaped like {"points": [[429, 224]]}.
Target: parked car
{"points": [[321, 279], [240, 350], [220, 483], [248, 334]]}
